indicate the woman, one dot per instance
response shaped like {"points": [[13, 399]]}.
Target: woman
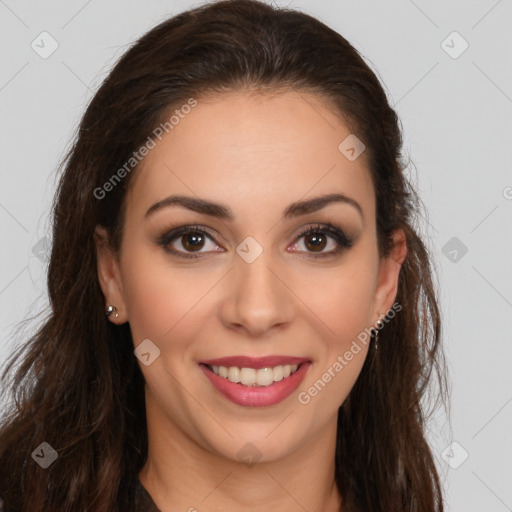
{"points": [[243, 316]]}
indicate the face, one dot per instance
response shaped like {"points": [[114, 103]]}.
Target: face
{"points": [[250, 283]]}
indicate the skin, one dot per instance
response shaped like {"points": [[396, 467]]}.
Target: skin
{"points": [[256, 154]]}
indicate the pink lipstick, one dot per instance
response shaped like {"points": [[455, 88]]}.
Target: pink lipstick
{"points": [[281, 376]]}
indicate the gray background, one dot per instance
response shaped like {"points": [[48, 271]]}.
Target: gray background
{"points": [[456, 112]]}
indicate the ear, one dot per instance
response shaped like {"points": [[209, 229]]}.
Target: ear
{"points": [[387, 285], [109, 275]]}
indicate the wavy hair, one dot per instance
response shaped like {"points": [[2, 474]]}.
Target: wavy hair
{"points": [[79, 387]]}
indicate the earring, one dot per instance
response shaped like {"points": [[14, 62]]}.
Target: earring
{"points": [[379, 324], [111, 310]]}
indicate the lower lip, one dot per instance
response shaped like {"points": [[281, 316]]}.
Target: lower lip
{"points": [[257, 396]]}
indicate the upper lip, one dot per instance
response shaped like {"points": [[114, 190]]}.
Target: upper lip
{"points": [[255, 362]]}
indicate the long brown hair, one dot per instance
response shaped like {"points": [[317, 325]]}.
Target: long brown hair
{"points": [[79, 387]]}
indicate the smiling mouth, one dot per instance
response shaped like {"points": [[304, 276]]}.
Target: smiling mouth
{"points": [[252, 377], [256, 382]]}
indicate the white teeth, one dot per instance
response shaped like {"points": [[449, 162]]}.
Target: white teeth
{"points": [[248, 376], [278, 373], [264, 376], [233, 374], [255, 377]]}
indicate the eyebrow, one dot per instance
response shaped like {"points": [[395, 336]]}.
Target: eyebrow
{"points": [[222, 211]]}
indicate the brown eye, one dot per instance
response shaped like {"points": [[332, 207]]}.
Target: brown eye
{"points": [[316, 241], [187, 240], [192, 241], [317, 238]]}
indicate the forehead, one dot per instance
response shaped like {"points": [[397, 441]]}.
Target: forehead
{"points": [[249, 149]]}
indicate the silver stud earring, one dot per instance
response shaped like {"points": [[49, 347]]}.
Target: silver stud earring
{"points": [[111, 309]]}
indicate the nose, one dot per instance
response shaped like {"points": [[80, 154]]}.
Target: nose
{"points": [[258, 298]]}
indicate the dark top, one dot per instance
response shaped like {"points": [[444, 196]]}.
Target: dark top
{"points": [[143, 501], [139, 500]]}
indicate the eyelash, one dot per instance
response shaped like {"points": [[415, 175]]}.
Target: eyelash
{"points": [[343, 241]]}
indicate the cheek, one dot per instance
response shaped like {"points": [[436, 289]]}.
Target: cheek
{"points": [[345, 309], [158, 297], [342, 299]]}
